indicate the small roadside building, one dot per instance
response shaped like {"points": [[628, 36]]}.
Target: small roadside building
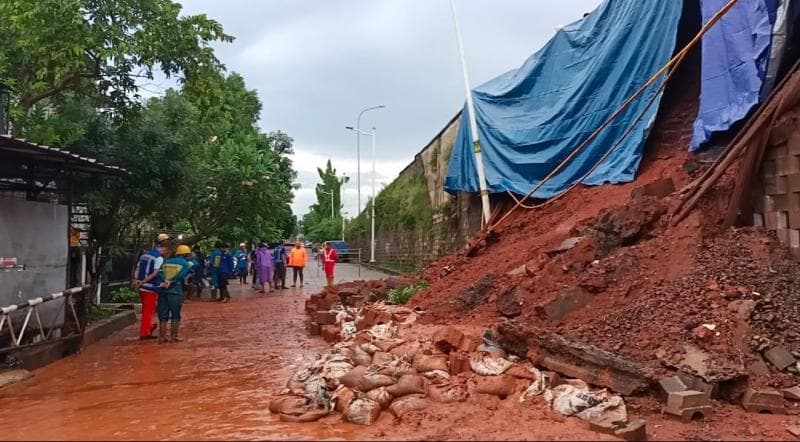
{"points": [[41, 219]]}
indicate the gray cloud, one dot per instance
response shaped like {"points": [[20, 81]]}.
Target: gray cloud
{"points": [[317, 63]]}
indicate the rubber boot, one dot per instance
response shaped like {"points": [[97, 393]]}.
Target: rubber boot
{"points": [[162, 332], [173, 331]]}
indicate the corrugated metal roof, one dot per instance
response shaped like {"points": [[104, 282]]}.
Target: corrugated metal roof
{"points": [[21, 147]]}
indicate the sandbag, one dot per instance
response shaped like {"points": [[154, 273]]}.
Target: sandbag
{"points": [[387, 345], [408, 384], [397, 368], [493, 350], [382, 358], [311, 415], [354, 377], [435, 374], [374, 380], [381, 396], [343, 397], [446, 392], [287, 403], [424, 363], [407, 404], [369, 348], [361, 357], [335, 369], [485, 364], [500, 386], [571, 400], [363, 412]]}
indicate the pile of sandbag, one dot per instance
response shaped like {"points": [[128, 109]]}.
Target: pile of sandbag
{"points": [[375, 370]]}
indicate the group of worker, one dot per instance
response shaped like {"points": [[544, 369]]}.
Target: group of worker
{"points": [[160, 277]]}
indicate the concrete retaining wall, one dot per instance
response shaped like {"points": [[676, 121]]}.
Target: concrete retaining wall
{"points": [[455, 218]]}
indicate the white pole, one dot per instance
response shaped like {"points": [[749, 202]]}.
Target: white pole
{"points": [[83, 267], [341, 203], [372, 235], [473, 122], [358, 158]]}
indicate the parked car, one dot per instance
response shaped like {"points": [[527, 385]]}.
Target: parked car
{"points": [[342, 249]]}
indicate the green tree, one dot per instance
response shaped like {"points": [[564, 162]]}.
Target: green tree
{"points": [[321, 223], [98, 49]]}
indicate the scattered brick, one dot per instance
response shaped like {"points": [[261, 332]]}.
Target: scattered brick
{"points": [[447, 339], [325, 317]]}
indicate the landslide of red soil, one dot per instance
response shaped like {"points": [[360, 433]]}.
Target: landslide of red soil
{"points": [[645, 286]]}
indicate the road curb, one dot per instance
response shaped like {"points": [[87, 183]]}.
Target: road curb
{"points": [[106, 327]]}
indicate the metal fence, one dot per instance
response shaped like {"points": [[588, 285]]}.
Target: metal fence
{"points": [[18, 325]]}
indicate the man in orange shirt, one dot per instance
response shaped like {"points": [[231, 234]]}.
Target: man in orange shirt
{"points": [[297, 261]]}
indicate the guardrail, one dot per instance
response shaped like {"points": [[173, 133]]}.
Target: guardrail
{"points": [[7, 319]]}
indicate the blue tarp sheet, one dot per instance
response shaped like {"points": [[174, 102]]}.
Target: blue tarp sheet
{"points": [[735, 57], [530, 118]]}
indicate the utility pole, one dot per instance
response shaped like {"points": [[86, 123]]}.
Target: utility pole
{"points": [[473, 123]]}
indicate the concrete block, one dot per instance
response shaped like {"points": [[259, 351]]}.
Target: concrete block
{"points": [[633, 431], [688, 405], [792, 393], [603, 426], [624, 383], [697, 383], [763, 401], [325, 317], [447, 339], [672, 384], [779, 357]]}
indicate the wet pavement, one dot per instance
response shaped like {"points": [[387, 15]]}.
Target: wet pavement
{"points": [[214, 385]]}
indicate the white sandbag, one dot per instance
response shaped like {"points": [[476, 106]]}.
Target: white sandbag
{"points": [[408, 384], [486, 364], [424, 363], [436, 374], [361, 357]]}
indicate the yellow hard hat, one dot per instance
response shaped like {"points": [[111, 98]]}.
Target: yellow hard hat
{"points": [[183, 250]]}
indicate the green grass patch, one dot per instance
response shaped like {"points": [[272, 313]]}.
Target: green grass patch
{"points": [[401, 296], [125, 295]]}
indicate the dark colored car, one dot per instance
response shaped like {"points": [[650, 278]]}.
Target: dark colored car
{"points": [[342, 249]]}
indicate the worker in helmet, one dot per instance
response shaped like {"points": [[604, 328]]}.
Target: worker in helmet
{"points": [[146, 279], [170, 296]]}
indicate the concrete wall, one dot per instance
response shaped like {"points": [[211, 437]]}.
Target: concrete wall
{"points": [[36, 234], [455, 218]]}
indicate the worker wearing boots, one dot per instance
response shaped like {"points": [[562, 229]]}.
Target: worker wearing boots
{"points": [[170, 297]]}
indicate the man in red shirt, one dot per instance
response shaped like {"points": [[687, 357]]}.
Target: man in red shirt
{"points": [[329, 258]]}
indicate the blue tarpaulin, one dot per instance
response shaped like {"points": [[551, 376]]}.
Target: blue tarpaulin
{"points": [[735, 57], [531, 118]]}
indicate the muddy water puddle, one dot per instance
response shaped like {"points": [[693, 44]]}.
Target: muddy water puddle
{"points": [[214, 385]]}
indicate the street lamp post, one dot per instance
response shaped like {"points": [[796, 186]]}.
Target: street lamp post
{"points": [[473, 122], [358, 149], [372, 216], [341, 201]]}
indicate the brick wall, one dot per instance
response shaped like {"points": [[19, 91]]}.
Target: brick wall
{"points": [[776, 195]]}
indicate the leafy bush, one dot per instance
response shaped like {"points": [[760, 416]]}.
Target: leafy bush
{"points": [[401, 296], [125, 295]]}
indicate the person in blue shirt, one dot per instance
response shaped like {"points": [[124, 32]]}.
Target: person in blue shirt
{"points": [[280, 257], [147, 278], [170, 294], [198, 272], [214, 261], [225, 271], [242, 265]]}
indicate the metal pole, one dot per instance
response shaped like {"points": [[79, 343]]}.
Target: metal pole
{"points": [[83, 267], [473, 122], [358, 149], [372, 234]]}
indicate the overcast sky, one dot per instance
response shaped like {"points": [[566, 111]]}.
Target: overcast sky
{"points": [[317, 63]]}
